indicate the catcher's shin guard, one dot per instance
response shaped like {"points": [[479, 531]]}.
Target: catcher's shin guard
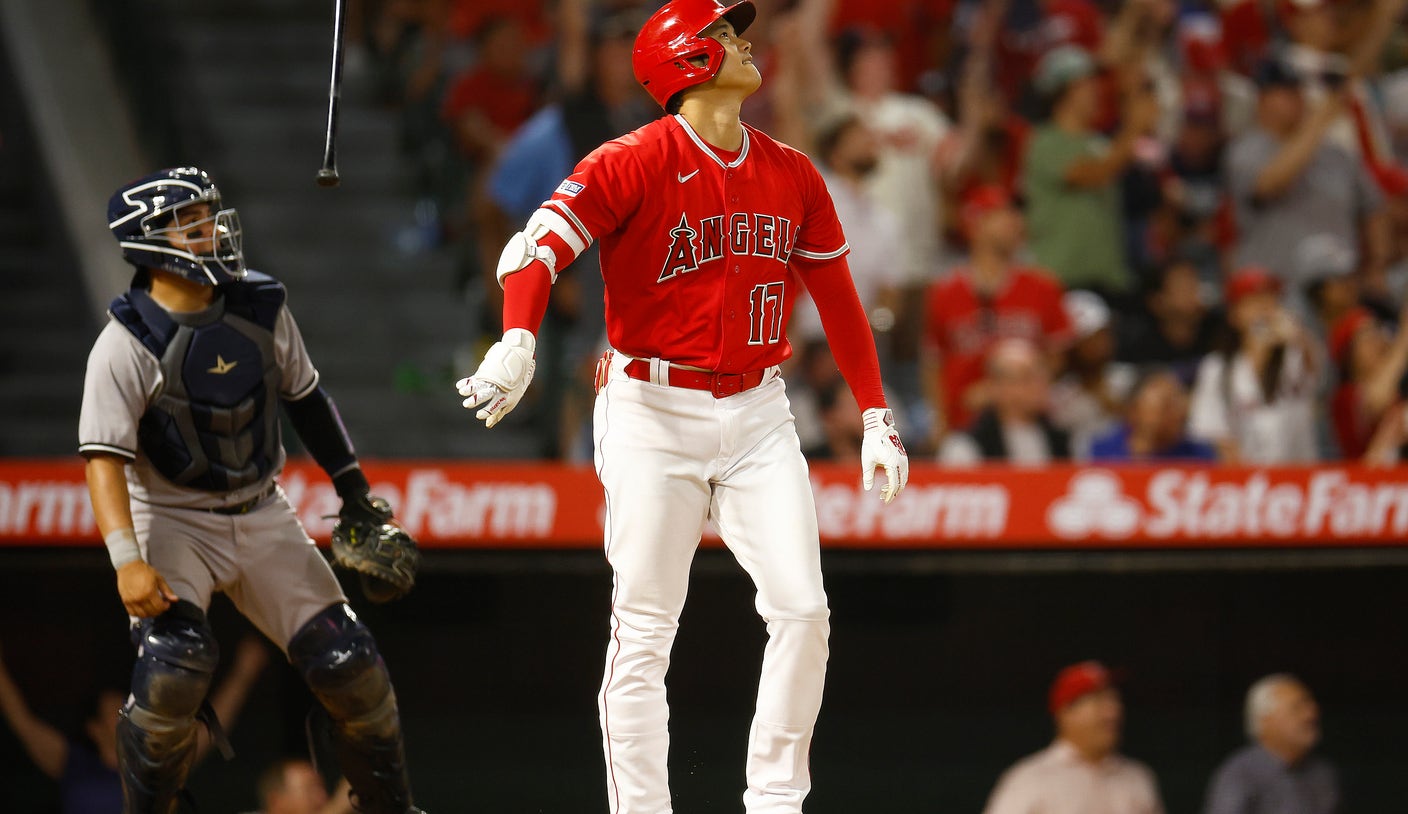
{"points": [[156, 730], [337, 656]]}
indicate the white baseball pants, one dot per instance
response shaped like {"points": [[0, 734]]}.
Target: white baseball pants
{"points": [[669, 459]]}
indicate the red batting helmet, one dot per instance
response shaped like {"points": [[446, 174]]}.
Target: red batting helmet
{"points": [[671, 38]]}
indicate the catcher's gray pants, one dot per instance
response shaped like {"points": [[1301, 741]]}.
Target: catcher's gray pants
{"points": [[263, 560]]}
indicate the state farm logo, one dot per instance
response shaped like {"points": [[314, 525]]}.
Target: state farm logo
{"points": [[1094, 505], [47, 508], [431, 504], [1201, 504], [934, 511]]}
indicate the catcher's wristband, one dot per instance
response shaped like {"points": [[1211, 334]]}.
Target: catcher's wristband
{"points": [[350, 484], [122, 547]]}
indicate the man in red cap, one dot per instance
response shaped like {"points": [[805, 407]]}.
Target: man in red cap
{"points": [[1081, 772], [991, 298]]}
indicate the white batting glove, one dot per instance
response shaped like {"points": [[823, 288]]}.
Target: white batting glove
{"points": [[498, 385], [881, 447]]}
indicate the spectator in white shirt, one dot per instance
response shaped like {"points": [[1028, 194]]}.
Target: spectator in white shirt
{"points": [[910, 129], [1255, 399], [819, 78], [848, 153], [1081, 772]]}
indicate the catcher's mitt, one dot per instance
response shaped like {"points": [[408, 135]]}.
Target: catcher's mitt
{"points": [[367, 539]]}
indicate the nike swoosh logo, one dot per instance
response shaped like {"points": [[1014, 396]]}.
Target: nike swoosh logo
{"points": [[684, 178], [221, 366]]}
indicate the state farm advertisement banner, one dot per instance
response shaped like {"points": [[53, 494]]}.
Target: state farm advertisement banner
{"points": [[515, 505]]}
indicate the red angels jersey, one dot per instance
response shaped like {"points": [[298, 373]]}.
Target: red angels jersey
{"points": [[698, 249], [961, 327]]}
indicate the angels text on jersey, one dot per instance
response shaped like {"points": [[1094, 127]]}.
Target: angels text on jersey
{"points": [[692, 245]]}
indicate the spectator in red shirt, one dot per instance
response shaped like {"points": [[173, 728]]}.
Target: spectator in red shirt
{"points": [[992, 298], [1372, 363], [487, 103]]}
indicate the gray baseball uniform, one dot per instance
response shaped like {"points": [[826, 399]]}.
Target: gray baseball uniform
{"points": [[262, 559], [192, 401]]}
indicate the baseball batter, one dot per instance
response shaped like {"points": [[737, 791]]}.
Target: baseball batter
{"points": [[180, 430], [707, 230]]}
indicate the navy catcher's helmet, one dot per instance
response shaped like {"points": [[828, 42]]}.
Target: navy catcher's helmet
{"points": [[142, 215]]}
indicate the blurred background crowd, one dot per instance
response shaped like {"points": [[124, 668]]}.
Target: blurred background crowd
{"points": [[1083, 230]]}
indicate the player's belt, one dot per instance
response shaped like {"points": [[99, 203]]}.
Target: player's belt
{"points": [[720, 384], [247, 506]]}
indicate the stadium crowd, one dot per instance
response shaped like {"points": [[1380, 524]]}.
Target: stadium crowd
{"points": [[1083, 230]]}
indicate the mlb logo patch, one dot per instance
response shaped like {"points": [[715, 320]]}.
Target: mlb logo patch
{"points": [[570, 188]]}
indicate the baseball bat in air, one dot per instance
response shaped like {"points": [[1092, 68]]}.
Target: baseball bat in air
{"points": [[327, 176]]}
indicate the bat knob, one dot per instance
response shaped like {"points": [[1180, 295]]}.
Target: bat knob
{"points": [[327, 177]]}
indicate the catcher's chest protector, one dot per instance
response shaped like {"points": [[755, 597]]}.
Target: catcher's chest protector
{"points": [[214, 423]]}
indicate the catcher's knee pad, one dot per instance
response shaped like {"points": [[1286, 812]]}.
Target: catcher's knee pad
{"points": [[338, 658], [176, 658], [156, 743]]}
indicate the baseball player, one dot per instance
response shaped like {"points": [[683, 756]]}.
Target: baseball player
{"points": [[180, 430], [707, 229]]}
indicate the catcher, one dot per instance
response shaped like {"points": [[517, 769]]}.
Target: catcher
{"points": [[180, 429]]}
